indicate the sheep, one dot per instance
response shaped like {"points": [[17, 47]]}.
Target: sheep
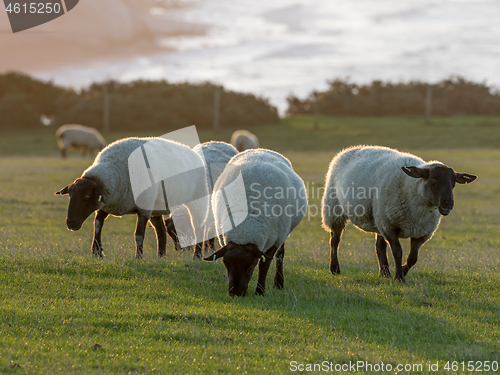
{"points": [[216, 155], [244, 140], [266, 200], [392, 194], [79, 136], [119, 182]]}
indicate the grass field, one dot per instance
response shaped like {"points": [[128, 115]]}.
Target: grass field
{"points": [[64, 312]]}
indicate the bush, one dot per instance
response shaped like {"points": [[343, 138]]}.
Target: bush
{"points": [[138, 105], [17, 113], [449, 97], [23, 100], [159, 105]]}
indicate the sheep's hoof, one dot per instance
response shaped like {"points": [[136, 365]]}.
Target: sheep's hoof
{"points": [[405, 269], [97, 252], [384, 272], [400, 279], [259, 291], [335, 270]]}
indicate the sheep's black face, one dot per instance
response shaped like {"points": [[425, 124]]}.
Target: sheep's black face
{"points": [[84, 198], [439, 181], [240, 262]]}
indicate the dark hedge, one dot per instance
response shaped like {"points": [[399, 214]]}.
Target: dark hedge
{"points": [[138, 105], [451, 96]]}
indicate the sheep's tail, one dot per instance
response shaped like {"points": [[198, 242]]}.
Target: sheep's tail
{"points": [[332, 215]]}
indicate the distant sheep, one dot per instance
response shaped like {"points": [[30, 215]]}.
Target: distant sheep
{"points": [[244, 140], [106, 187], [272, 203], [79, 136], [390, 193], [216, 155]]}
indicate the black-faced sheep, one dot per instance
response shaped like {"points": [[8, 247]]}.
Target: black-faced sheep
{"points": [[216, 155], [140, 176], [266, 200], [79, 136], [244, 140], [390, 193]]}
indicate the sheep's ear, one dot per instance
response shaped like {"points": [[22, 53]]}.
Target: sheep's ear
{"points": [[63, 191], [464, 178], [416, 172], [216, 255]]}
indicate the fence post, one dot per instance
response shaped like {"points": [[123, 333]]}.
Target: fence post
{"points": [[428, 104], [316, 111], [106, 109], [217, 109]]}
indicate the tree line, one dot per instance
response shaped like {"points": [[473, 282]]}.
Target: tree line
{"points": [[451, 96], [137, 105]]}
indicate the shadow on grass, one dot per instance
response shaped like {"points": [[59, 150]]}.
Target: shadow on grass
{"points": [[363, 310], [348, 312]]}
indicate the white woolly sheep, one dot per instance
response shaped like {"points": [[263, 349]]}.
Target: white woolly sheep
{"points": [[134, 176], [79, 136], [390, 193], [266, 200], [244, 140], [216, 155]]}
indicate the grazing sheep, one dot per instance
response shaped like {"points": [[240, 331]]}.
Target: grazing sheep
{"points": [[216, 155], [264, 210], [390, 193], [79, 136], [244, 140], [109, 186]]}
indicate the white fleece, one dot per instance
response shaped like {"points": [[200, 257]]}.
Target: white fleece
{"points": [[111, 168], [79, 136], [216, 155], [275, 199], [244, 140], [366, 185]]}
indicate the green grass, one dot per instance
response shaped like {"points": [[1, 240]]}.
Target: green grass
{"points": [[64, 312], [297, 134]]}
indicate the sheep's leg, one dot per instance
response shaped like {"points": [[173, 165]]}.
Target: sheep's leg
{"points": [[397, 253], [335, 237], [161, 234], [171, 231], [383, 263], [140, 230], [279, 280], [263, 269], [63, 153], [210, 245], [100, 216], [416, 243], [198, 251]]}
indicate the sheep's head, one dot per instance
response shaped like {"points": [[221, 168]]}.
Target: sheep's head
{"points": [[85, 197], [439, 181], [240, 262]]}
